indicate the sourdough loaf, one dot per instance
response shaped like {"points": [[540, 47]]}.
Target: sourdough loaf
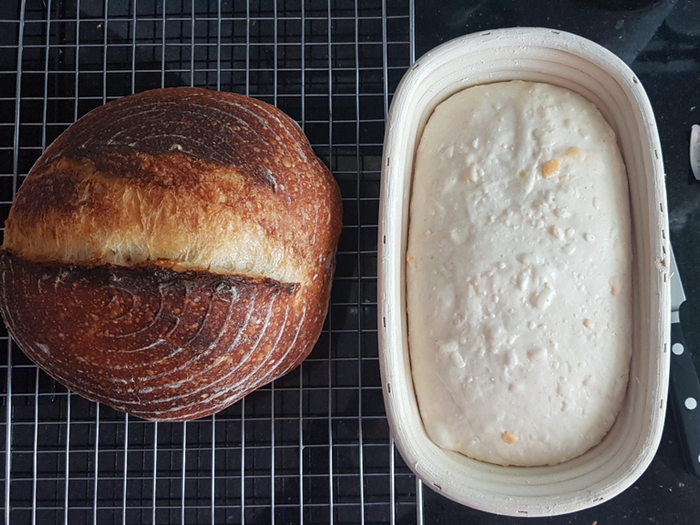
{"points": [[171, 251]]}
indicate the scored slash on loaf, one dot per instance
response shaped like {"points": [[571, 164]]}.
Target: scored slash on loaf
{"points": [[172, 251]]}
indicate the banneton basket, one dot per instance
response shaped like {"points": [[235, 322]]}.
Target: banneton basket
{"points": [[582, 66]]}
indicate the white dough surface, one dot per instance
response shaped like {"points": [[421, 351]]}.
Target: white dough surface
{"points": [[519, 274]]}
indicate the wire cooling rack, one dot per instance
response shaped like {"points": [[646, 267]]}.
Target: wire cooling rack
{"points": [[313, 447]]}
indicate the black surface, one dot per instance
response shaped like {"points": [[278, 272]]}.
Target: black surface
{"points": [[660, 41], [685, 386]]}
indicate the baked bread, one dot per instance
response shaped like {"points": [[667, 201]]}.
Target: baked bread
{"points": [[171, 251]]}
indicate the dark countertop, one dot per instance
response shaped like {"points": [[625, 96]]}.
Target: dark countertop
{"points": [[660, 41]]}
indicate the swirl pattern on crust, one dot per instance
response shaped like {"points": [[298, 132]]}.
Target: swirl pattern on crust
{"points": [[171, 252], [162, 344]]}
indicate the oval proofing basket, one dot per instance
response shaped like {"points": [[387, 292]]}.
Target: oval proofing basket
{"points": [[582, 66]]}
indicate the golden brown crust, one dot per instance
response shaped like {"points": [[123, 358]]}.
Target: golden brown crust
{"points": [[156, 343], [180, 174], [172, 251]]}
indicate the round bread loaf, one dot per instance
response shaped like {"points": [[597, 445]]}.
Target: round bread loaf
{"points": [[171, 251]]}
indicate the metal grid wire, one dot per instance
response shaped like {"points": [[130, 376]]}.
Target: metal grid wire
{"points": [[313, 447]]}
